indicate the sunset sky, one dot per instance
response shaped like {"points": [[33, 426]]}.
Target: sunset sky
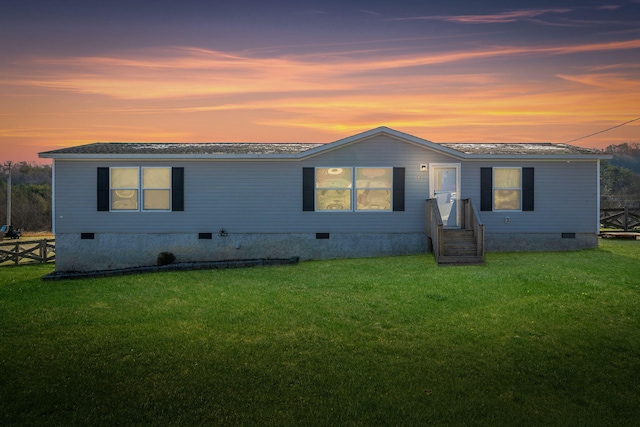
{"points": [[75, 72]]}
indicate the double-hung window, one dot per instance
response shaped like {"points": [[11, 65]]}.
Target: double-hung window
{"points": [[373, 189], [124, 185], [334, 189], [507, 189], [156, 189]]}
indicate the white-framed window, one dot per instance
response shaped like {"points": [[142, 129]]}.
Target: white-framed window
{"points": [[374, 187], [136, 189], [507, 189], [353, 189], [334, 189], [156, 189], [124, 186]]}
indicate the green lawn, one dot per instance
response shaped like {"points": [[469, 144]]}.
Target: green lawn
{"points": [[526, 339]]}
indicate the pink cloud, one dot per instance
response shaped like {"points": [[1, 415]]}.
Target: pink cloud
{"points": [[609, 7], [503, 17]]}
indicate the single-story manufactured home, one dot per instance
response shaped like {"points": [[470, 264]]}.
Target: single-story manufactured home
{"points": [[377, 193]]}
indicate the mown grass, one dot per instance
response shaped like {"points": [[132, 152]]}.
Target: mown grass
{"points": [[527, 339]]}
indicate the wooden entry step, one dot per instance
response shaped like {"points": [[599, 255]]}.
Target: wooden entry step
{"points": [[459, 247]]}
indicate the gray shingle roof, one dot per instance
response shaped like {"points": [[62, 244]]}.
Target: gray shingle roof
{"points": [[519, 148], [218, 148], [263, 150], [242, 148]]}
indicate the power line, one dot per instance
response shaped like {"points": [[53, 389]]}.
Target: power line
{"points": [[603, 131]]}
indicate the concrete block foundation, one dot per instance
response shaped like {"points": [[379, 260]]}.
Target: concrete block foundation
{"points": [[116, 251], [539, 242]]}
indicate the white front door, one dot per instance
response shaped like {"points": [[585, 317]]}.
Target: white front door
{"points": [[444, 180]]}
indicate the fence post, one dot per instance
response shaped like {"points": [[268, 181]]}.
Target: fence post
{"points": [[626, 219], [43, 251]]}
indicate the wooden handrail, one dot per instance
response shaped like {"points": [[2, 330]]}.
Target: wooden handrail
{"points": [[434, 226], [473, 222]]}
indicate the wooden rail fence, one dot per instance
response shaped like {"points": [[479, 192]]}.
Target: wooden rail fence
{"points": [[16, 251], [620, 218]]}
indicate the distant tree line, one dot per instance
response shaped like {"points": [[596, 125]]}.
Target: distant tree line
{"points": [[30, 196], [31, 187], [620, 177], [625, 155]]}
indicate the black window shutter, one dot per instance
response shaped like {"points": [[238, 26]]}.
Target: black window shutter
{"points": [[486, 189], [103, 189], [308, 189], [177, 189], [527, 189], [398, 189]]}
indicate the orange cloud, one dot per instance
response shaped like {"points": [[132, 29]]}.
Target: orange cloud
{"points": [[193, 94], [190, 72], [612, 81]]}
